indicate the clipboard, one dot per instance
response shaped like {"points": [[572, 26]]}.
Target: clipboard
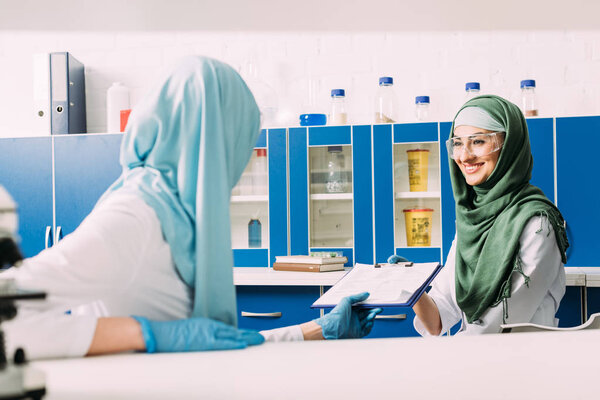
{"points": [[407, 297]]}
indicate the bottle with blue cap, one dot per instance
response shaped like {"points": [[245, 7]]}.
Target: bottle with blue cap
{"points": [[386, 103], [528, 100], [422, 108], [472, 89], [338, 114], [254, 232]]}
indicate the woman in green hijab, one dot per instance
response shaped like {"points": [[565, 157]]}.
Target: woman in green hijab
{"points": [[506, 261]]}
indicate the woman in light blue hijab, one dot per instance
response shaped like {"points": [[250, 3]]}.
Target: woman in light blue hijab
{"points": [[185, 148], [157, 245]]}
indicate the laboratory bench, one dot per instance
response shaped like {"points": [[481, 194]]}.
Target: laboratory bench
{"points": [[541, 365], [269, 299]]}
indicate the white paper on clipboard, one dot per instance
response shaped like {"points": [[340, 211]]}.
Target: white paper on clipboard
{"points": [[390, 284]]}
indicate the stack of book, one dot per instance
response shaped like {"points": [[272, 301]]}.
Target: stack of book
{"points": [[309, 263]]}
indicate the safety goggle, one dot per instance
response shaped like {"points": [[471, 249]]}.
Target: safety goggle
{"points": [[478, 145]]}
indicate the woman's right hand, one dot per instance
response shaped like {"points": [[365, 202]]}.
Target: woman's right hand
{"points": [[194, 334]]}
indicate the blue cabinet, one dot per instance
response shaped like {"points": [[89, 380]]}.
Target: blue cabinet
{"points": [[26, 172], [270, 307], [325, 216], [577, 186], [261, 195], [394, 322], [85, 166], [593, 300], [396, 200], [56, 182], [569, 312], [541, 137]]}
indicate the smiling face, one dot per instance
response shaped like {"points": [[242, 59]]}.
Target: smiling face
{"points": [[476, 170]]}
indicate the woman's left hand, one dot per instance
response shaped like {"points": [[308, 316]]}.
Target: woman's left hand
{"points": [[346, 322]]}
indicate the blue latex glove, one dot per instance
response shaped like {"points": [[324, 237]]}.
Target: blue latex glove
{"points": [[194, 334], [345, 322], [394, 259]]}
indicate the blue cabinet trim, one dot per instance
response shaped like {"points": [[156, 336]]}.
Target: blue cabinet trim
{"points": [[250, 257], [419, 254], [298, 189], [262, 139], [383, 169], [448, 210], [329, 135], [418, 132], [278, 225], [541, 136], [363, 194]]}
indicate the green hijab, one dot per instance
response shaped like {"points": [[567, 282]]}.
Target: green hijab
{"points": [[490, 217]]}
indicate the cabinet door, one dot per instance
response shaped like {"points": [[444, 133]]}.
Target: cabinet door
{"points": [[85, 166], [394, 322], [569, 312], [259, 204], [383, 191], [577, 186], [417, 208], [447, 201], [26, 173], [541, 137], [270, 307], [330, 191], [593, 300]]}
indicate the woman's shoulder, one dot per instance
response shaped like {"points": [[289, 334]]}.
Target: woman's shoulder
{"points": [[123, 209], [537, 228]]}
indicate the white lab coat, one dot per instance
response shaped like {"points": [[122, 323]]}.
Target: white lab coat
{"points": [[537, 303], [116, 263]]}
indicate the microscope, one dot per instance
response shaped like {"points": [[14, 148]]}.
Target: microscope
{"points": [[17, 380]]}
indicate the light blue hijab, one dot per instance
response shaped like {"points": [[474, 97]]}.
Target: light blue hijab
{"points": [[185, 147]]}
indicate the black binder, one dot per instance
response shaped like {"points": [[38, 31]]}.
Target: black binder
{"points": [[67, 94]]}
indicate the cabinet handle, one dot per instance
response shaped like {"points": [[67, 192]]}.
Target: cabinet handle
{"points": [[58, 234], [47, 236], [261, 315], [395, 316]]}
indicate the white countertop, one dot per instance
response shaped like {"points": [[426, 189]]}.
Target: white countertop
{"points": [[575, 276], [542, 365], [592, 276], [262, 276]]}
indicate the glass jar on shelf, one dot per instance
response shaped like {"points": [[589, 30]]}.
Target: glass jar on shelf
{"points": [[472, 90], [338, 114], [422, 108], [386, 102], [528, 98]]}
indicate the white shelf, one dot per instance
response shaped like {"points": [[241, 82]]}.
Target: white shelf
{"points": [[331, 196], [418, 195], [250, 199]]}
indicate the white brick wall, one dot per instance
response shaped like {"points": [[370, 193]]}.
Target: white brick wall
{"points": [[566, 65]]}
